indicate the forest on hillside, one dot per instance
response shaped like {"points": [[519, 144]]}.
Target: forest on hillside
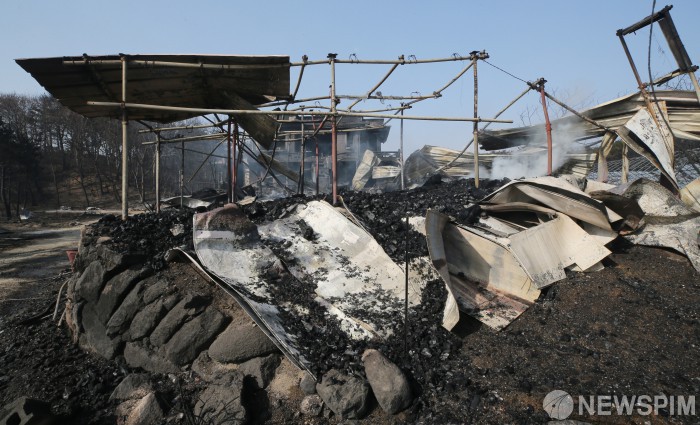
{"points": [[52, 157]]}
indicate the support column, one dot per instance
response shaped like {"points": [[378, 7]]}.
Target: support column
{"points": [[302, 166], [229, 191], [182, 172], [476, 123], [125, 147], [547, 126], [334, 131], [158, 171], [234, 180], [401, 151]]}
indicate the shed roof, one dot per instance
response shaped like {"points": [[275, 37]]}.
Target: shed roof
{"points": [[181, 80]]}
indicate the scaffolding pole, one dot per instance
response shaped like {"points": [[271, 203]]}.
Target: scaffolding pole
{"points": [[234, 182], [157, 171], [334, 134], [125, 146], [291, 113], [229, 187], [547, 124], [476, 126]]}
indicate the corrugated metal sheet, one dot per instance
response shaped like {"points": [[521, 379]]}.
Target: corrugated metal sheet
{"points": [[683, 112], [240, 80]]}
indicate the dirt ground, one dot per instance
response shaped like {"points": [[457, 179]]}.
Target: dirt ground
{"points": [[631, 329]]}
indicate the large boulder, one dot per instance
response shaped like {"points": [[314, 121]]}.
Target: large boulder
{"points": [[389, 384], [262, 369], [347, 396], [135, 385], [221, 405], [193, 337], [241, 341]]}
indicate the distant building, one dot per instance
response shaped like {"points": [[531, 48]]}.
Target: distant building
{"points": [[355, 136]]}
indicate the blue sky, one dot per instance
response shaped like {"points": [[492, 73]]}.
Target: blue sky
{"points": [[572, 44]]}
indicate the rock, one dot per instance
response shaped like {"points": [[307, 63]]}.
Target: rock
{"points": [[123, 316], [241, 342], [219, 404], [193, 337], [133, 386], [262, 369], [170, 323], [146, 320], [311, 405], [308, 384], [27, 411], [146, 411], [389, 384], [214, 372], [346, 396], [136, 355], [154, 290], [89, 284], [95, 337], [115, 290]]}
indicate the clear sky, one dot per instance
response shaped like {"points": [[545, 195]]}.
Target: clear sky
{"points": [[570, 43]]}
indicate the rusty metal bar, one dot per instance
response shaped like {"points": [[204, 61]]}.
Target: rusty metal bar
{"points": [[125, 146], [548, 127], [644, 22], [382, 97], [476, 126], [212, 136], [208, 155]]}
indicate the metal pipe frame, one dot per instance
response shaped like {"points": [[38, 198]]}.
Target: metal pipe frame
{"points": [[334, 134], [548, 127], [183, 127], [125, 146], [290, 113], [229, 187], [475, 128], [157, 172]]}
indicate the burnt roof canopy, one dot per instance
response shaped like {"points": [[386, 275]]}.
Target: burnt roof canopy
{"points": [[190, 81]]}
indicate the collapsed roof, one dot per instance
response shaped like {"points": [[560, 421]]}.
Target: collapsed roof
{"points": [[682, 108]]}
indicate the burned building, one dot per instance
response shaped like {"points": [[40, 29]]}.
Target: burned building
{"points": [[307, 139]]}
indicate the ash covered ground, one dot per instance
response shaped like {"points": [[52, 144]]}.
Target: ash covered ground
{"points": [[630, 329]]}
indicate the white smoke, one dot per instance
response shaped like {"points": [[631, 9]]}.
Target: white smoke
{"points": [[532, 161]]}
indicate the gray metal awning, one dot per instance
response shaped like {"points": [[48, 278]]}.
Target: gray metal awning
{"points": [[192, 81]]}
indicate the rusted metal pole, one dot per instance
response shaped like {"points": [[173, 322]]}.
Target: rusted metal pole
{"points": [[125, 146], [476, 125], [303, 158], [157, 171], [234, 183], [334, 131], [229, 187], [401, 153], [548, 128], [317, 183], [182, 173]]}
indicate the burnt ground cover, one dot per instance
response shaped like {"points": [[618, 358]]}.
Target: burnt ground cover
{"points": [[630, 329]]}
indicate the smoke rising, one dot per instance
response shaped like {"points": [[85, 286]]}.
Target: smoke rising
{"points": [[531, 161]]}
